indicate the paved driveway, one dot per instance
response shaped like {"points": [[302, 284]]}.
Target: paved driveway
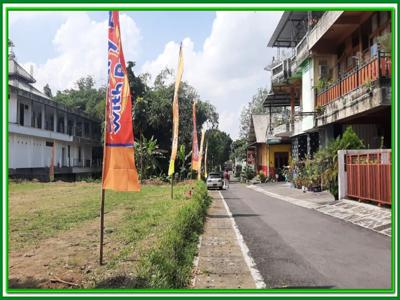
{"points": [[301, 248]]}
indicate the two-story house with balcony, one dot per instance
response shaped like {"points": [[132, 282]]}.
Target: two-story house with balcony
{"points": [[292, 77], [352, 59], [43, 133], [338, 76]]}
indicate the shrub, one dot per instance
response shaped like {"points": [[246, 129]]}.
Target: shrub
{"points": [[248, 173], [327, 160], [169, 263], [323, 169], [262, 176]]}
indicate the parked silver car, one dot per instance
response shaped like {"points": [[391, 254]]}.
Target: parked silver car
{"points": [[215, 181]]}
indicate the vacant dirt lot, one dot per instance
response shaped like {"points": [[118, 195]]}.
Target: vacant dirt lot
{"points": [[53, 231]]}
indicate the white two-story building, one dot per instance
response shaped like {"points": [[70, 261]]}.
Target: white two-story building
{"points": [[42, 132]]}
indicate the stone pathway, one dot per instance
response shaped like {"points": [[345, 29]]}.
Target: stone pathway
{"points": [[369, 216], [362, 214], [221, 263]]}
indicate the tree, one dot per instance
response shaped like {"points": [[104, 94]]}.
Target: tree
{"points": [[85, 97], [239, 150], [219, 145], [47, 91], [326, 159], [153, 113], [149, 155], [253, 107], [136, 84]]}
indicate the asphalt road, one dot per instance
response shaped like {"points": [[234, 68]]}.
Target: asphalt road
{"points": [[296, 247]]}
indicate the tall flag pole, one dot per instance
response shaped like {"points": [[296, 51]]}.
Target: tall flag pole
{"points": [[203, 133], [119, 170], [195, 143], [205, 161], [175, 119]]}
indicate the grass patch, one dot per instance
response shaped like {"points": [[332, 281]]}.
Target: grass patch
{"points": [[38, 211], [169, 263], [53, 227]]}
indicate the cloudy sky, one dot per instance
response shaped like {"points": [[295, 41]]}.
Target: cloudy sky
{"points": [[225, 52]]}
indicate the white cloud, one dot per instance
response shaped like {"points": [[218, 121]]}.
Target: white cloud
{"points": [[35, 16], [230, 67], [81, 46]]}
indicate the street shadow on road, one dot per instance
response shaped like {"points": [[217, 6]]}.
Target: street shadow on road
{"points": [[234, 215]]}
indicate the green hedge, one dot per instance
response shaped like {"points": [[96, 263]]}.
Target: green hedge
{"points": [[169, 263]]}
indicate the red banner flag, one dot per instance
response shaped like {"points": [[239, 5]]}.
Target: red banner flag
{"points": [[195, 143], [119, 170]]}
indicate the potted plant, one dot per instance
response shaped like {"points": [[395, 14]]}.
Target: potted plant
{"points": [[368, 85], [319, 110]]}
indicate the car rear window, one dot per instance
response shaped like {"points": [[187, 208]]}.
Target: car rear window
{"points": [[215, 176]]}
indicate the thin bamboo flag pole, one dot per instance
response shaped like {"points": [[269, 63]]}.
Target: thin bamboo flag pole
{"points": [[102, 225], [172, 186], [118, 147]]}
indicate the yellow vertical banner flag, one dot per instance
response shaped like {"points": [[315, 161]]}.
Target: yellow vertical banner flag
{"points": [[195, 143], [119, 170], [203, 133], [205, 161], [175, 114]]}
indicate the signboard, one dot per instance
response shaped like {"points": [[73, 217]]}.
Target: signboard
{"points": [[274, 140]]}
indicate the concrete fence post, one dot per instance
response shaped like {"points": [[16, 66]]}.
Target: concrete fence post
{"points": [[342, 176]]}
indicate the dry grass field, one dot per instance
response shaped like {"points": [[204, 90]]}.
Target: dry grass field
{"points": [[53, 231]]}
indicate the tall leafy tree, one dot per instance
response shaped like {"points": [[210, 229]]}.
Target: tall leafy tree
{"points": [[219, 145], [152, 112], [238, 149], [47, 91], [254, 106], [85, 96]]}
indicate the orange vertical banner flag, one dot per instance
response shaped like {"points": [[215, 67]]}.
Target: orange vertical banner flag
{"points": [[195, 143], [203, 133], [175, 114], [119, 170]]}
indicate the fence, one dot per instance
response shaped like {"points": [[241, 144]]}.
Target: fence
{"points": [[363, 75], [367, 175]]}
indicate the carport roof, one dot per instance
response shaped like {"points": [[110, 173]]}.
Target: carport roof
{"points": [[279, 100], [291, 29]]}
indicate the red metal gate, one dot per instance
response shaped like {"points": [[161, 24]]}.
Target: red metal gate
{"points": [[369, 176]]}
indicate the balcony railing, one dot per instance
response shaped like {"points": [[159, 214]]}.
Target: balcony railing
{"points": [[302, 51], [282, 128], [376, 68]]}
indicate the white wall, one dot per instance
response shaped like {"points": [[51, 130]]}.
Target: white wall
{"points": [[26, 152], [32, 152], [12, 108]]}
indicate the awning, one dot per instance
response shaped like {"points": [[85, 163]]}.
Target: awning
{"points": [[291, 28], [279, 100]]}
